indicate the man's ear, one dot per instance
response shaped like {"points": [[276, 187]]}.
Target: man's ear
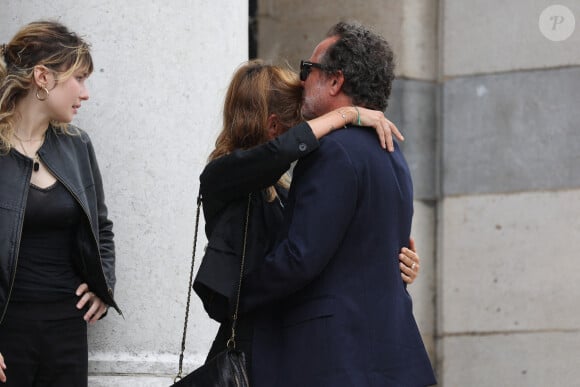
{"points": [[337, 80], [273, 126], [42, 76]]}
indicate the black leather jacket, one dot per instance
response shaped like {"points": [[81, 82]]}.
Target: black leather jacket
{"points": [[71, 159]]}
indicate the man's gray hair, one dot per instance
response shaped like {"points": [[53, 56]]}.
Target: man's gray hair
{"points": [[366, 61]]}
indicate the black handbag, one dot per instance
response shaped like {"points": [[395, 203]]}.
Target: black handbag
{"points": [[227, 368]]}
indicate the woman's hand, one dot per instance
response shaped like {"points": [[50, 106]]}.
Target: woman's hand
{"points": [[339, 118], [384, 128], [97, 308], [409, 263], [2, 368]]}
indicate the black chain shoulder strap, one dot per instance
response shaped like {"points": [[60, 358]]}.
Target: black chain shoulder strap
{"points": [[231, 343]]}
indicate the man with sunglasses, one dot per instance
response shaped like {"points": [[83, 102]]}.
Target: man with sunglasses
{"points": [[345, 317]]}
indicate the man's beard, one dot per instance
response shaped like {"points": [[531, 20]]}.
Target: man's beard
{"points": [[310, 106]]}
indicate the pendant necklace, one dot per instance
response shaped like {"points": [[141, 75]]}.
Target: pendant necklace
{"points": [[35, 159]]}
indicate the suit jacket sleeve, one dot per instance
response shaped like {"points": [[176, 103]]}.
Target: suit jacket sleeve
{"points": [[321, 204]]}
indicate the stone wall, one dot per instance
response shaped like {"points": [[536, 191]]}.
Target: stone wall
{"points": [[161, 70]]}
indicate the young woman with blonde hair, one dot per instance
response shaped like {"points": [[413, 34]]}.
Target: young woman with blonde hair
{"points": [[57, 258]]}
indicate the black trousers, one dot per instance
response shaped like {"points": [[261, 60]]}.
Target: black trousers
{"points": [[44, 353]]}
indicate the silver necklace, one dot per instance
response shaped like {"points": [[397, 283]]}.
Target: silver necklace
{"points": [[35, 158], [28, 140]]}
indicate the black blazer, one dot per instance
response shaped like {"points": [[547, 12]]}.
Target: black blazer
{"points": [[224, 185]]}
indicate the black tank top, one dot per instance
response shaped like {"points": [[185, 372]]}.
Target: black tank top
{"points": [[45, 272]]}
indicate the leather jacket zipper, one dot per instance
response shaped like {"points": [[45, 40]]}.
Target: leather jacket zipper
{"points": [[27, 187]]}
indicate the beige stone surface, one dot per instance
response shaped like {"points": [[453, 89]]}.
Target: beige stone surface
{"points": [[419, 54], [536, 359], [489, 36], [289, 30], [130, 381], [509, 263]]}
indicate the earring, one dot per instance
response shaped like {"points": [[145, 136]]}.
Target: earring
{"points": [[43, 88]]}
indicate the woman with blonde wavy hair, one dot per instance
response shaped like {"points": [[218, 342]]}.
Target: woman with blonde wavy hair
{"points": [[263, 133], [57, 253]]}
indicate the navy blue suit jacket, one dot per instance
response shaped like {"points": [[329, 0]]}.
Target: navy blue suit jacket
{"points": [[346, 317]]}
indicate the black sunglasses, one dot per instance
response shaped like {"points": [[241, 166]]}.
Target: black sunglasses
{"points": [[306, 67]]}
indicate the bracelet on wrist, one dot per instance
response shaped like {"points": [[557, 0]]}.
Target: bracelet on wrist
{"points": [[357, 115], [343, 117]]}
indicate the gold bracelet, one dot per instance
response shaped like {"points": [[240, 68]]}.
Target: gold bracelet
{"points": [[343, 117]]}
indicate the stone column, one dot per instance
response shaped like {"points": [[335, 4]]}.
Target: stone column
{"points": [[161, 70], [509, 218]]}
